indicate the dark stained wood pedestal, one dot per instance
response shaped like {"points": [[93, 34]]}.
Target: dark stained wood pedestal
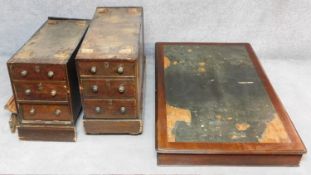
{"points": [[45, 84], [110, 66]]}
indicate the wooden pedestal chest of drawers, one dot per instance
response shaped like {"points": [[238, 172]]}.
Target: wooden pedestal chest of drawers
{"points": [[44, 81], [110, 65]]}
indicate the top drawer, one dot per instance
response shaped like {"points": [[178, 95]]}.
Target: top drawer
{"points": [[106, 68], [37, 72]]}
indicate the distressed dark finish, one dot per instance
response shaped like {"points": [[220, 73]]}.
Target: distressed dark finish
{"points": [[110, 67], [45, 83], [214, 103]]}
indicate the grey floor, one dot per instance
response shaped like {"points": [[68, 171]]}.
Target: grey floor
{"points": [[278, 30]]}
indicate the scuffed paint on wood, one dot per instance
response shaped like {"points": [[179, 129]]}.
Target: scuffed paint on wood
{"points": [[113, 34], [174, 115], [242, 126], [274, 132], [53, 43], [167, 62]]}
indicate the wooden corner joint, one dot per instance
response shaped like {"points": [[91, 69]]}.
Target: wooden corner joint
{"points": [[140, 130]]}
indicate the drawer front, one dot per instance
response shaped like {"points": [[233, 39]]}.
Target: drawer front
{"points": [[106, 68], [110, 108], [41, 91], [108, 88], [37, 72], [46, 112]]}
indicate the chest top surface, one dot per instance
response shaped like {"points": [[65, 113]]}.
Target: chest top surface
{"points": [[214, 94], [114, 33], [53, 43]]}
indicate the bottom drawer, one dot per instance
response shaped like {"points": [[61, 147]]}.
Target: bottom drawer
{"points": [[59, 112], [110, 108]]}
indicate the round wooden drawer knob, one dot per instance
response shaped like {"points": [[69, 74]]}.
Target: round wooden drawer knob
{"points": [[122, 110], [98, 109], [57, 112], [121, 89], [95, 88], [24, 73], [50, 74], [93, 70], [32, 111], [120, 70], [53, 93], [27, 91]]}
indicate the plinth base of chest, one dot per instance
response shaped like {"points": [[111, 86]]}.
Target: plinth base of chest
{"points": [[62, 133], [101, 126]]}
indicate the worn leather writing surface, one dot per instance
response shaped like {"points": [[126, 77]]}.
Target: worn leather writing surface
{"points": [[213, 94]]}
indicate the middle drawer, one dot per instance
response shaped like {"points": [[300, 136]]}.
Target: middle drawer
{"points": [[46, 91], [109, 88]]}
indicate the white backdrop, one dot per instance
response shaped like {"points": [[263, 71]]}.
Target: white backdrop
{"points": [[279, 31]]}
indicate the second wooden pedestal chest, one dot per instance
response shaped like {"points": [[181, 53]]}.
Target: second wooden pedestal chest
{"points": [[110, 66], [44, 81]]}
